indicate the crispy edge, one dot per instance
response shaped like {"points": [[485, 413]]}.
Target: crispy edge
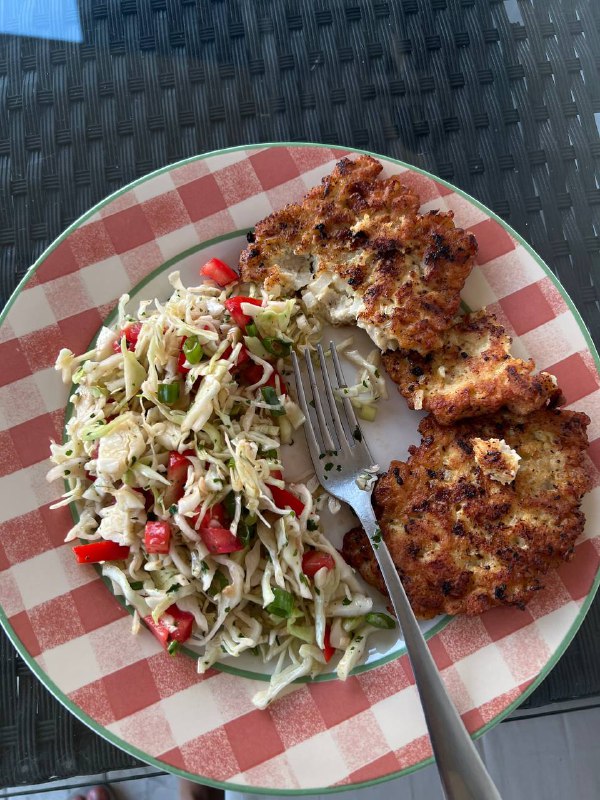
{"points": [[494, 378]]}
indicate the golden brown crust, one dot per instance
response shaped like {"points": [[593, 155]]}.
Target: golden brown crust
{"points": [[464, 542], [406, 269], [472, 374]]}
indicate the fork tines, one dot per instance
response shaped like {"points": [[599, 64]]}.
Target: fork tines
{"points": [[335, 433]]}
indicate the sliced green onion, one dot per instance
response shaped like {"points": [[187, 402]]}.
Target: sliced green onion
{"points": [[282, 605], [251, 329], [270, 396], [193, 350], [272, 454], [173, 648], [231, 463], [277, 347], [168, 393], [379, 620]]}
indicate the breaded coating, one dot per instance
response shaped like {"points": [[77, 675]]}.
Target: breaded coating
{"points": [[473, 373], [361, 253], [463, 541]]}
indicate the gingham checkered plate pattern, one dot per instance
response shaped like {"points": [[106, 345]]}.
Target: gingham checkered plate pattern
{"points": [[78, 637]]}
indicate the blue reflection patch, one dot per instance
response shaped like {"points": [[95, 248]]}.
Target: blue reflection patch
{"points": [[44, 19]]}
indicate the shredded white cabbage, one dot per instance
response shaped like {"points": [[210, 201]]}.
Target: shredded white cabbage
{"points": [[140, 407]]}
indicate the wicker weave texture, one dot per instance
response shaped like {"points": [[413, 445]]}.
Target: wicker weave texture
{"points": [[501, 98]]}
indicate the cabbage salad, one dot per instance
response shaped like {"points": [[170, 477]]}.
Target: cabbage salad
{"points": [[172, 456]]}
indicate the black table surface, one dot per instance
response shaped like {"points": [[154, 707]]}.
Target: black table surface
{"points": [[500, 98]]}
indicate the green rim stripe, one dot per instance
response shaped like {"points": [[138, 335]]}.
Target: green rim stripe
{"points": [[132, 750]]}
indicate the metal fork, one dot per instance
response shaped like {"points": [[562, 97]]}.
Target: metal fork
{"points": [[342, 459]]}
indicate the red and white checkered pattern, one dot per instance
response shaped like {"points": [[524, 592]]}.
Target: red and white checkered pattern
{"points": [[321, 734]]}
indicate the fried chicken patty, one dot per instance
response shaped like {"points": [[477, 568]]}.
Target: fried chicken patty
{"points": [[473, 373], [464, 541], [361, 253]]}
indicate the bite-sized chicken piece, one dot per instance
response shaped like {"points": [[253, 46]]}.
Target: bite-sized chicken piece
{"points": [[472, 373], [360, 253], [464, 541]]}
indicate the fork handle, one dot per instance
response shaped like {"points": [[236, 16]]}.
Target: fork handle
{"points": [[462, 772]]}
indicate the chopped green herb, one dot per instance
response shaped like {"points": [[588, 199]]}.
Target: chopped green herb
{"points": [[251, 329], [339, 467], [357, 433], [270, 396], [231, 463], [172, 509], [137, 585], [311, 403], [328, 466], [282, 604], [69, 453], [346, 601], [277, 347], [311, 525], [229, 503], [173, 648]]}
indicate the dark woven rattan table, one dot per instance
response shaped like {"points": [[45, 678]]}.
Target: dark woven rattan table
{"points": [[501, 98]]}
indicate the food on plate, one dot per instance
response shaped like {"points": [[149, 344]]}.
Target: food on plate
{"points": [[472, 373], [173, 457], [360, 253], [462, 539], [496, 459]]}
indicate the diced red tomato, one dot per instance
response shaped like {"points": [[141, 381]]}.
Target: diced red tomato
{"points": [[95, 552], [284, 499], [160, 631], [242, 358], [157, 537], [183, 621], [314, 560], [277, 474], [177, 475], [176, 629], [328, 650], [234, 306], [131, 333], [252, 373], [219, 272], [220, 540]]}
